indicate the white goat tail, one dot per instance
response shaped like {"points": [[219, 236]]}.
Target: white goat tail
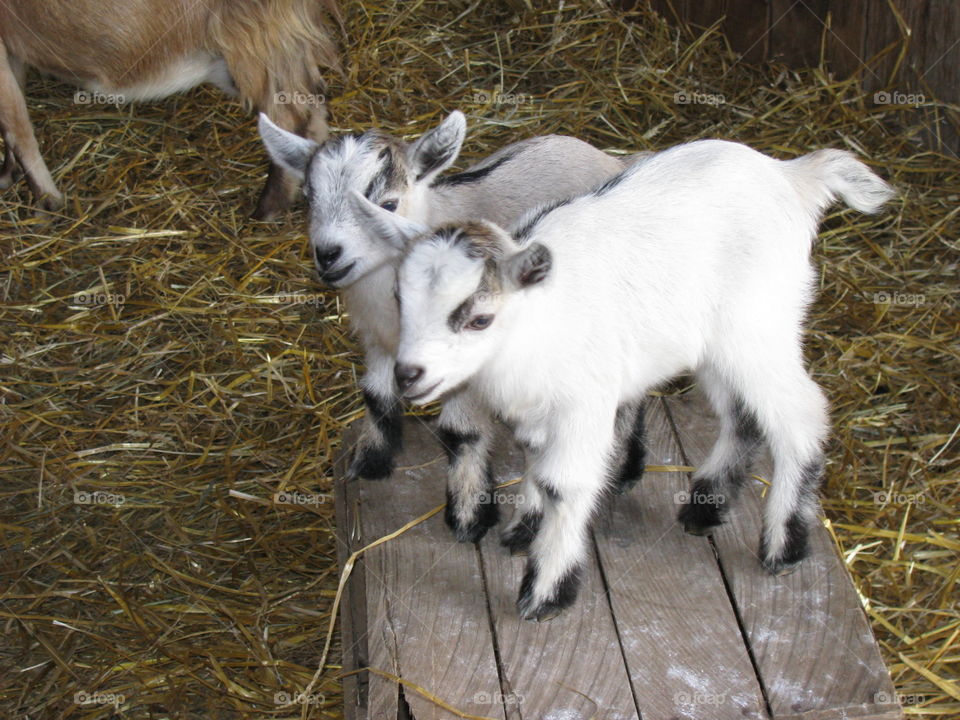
{"points": [[825, 175]]}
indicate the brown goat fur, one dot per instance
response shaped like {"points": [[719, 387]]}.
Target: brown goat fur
{"points": [[269, 53]]}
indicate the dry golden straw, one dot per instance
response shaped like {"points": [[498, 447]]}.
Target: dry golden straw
{"points": [[170, 371]]}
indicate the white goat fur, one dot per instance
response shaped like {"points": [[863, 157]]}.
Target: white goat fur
{"points": [[499, 188], [697, 258]]}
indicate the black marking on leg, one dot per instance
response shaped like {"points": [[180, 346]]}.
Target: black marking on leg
{"points": [[519, 538], [704, 507], [548, 489], [563, 596], [486, 514], [748, 430], [796, 547], [631, 470], [454, 441], [375, 462]]}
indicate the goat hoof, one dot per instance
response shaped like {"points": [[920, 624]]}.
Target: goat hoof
{"points": [[563, 594], [485, 516], [780, 568], [371, 463]]}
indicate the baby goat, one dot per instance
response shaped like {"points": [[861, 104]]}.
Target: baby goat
{"points": [[268, 52], [697, 258], [404, 180]]}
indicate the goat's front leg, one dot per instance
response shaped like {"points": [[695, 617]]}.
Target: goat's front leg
{"points": [[19, 138], [465, 431], [571, 474], [382, 433], [527, 518]]}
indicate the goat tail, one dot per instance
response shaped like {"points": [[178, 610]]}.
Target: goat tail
{"points": [[823, 176], [277, 47]]}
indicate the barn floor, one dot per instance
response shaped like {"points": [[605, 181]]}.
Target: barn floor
{"points": [[158, 347], [667, 626]]}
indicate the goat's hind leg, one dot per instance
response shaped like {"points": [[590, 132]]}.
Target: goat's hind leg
{"points": [[19, 138], [630, 452], [793, 413], [381, 437], [465, 431], [717, 483]]}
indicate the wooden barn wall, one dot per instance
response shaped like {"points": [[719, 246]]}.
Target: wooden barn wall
{"points": [[867, 37]]}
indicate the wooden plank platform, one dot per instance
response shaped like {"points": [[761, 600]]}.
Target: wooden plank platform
{"points": [[668, 626]]}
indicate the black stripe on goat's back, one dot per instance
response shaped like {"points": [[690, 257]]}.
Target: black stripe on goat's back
{"points": [[522, 234], [472, 176], [610, 183]]}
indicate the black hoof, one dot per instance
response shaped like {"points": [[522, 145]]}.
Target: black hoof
{"points": [[702, 510], [485, 516], [795, 549], [372, 463], [519, 538], [563, 596]]}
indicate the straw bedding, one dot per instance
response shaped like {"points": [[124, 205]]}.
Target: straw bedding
{"points": [[163, 351]]}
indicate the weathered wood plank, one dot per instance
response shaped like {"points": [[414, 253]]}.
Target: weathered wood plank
{"points": [[844, 51], [427, 619], [353, 635], [816, 656], [679, 633], [543, 664], [796, 30]]}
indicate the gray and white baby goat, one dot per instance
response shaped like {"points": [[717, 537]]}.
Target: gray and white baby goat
{"points": [[697, 258], [404, 180]]}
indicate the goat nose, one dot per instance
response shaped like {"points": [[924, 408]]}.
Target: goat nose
{"points": [[327, 256], [407, 375]]}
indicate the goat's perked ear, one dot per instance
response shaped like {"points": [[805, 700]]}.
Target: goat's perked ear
{"points": [[388, 227], [289, 151], [436, 149], [530, 266]]}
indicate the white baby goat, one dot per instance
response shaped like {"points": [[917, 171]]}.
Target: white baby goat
{"points": [[697, 258], [404, 179]]}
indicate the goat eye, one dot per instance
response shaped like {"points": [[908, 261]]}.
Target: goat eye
{"points": [[480, 322], [389, 205]]}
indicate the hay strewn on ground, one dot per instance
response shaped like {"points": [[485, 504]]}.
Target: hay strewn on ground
{"points": [[209, 372]]}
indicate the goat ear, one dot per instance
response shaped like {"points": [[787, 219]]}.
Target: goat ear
{"points": [[436, 149], [390, 228], [289, 151], [530, 266]]}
